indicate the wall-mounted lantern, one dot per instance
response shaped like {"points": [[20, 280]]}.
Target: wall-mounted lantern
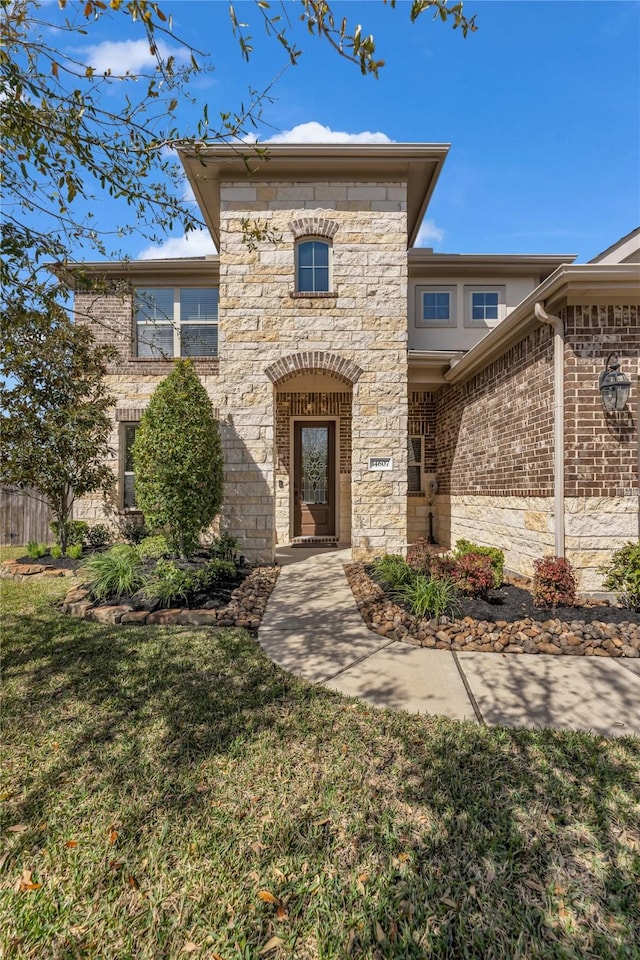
{"points": [[614, 385]]}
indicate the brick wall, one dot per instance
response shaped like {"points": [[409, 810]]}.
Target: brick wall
{"points": [[601, 449], [494, 433]]}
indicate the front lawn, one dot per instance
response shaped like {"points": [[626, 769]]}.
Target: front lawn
{"points": [[171, 793]]}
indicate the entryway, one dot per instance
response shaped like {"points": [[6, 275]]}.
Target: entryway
{"points": [[314, 485]]}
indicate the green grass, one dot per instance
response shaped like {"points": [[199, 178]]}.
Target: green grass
{"points": [[159, 780]]}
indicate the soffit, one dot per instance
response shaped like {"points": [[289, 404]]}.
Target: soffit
{"points": [[417, 164], [163, 273], [425, 263]]}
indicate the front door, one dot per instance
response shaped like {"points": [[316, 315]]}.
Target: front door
{"points": [[314, 479]]}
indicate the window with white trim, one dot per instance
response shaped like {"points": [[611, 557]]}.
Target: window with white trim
{"points": [[436, 306], [414, 464], [313, 266], [176, 322], [484, 305], [127, 437]]}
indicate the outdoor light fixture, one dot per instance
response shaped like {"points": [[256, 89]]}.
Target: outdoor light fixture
{"points": [[614, 386]]}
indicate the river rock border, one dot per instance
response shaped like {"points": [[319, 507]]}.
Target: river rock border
{"points": [[574, 638], [245, 609]]}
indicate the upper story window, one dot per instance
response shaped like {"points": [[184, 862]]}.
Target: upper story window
{"points": [[313, 274], [176, 322], [436, 306], [484, 306]]}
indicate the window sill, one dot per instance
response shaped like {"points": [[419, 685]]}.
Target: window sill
{"points": [[416, 493], [323, 295]]}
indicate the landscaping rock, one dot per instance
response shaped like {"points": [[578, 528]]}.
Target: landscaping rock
{"points": [[135, 617], [164, 616], [198, 618], [109, 614]]}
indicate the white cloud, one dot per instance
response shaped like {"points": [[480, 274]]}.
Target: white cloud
{"points": [[198, 243], [314, 132], [429, 234], [127, 56]]}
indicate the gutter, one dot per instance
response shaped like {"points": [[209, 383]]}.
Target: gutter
{"points": [[558, 422]]}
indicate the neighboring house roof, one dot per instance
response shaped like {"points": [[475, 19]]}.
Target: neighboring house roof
{"points": [[624, 250], [419, 164], [592, 283], [140, 271], [424, 260]]}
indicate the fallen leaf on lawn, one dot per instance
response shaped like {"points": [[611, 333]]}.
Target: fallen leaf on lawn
{"points": [[254, 875], [363, 877], [18, 828], [350, 942], [26, 881], [6, 795], [281, 913], [272, 945], [55, 745], [380, 934], [257, 847], [116, 864], [321, 823], [267, 897], [113, 836], [449, 903], [131, 880], [190, 947], [403, 857], [71, 843], [278, 873]]}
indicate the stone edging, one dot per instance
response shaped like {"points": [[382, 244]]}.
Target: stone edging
{"points": [[12, 570], [575, 638], [245, 609]]}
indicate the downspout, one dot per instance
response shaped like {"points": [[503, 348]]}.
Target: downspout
{"points": [[558, 421]]}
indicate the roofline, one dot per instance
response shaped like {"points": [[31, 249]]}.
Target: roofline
{"points": [[452, 263], [615, 246], [69, 273], [575, 277], [276, 162]]}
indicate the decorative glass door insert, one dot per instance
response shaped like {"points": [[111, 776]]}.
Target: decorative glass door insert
{"points": [[315, 464], [314, 479]]}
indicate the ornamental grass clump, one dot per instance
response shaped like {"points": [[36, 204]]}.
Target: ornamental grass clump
{"points": [[622, 575], [429, 597], [554, 583], [177, 458], [392, 571], [166, 585], [113, 574]]}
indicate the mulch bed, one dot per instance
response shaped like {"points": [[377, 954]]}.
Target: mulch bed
{"points": [[511, 624]]}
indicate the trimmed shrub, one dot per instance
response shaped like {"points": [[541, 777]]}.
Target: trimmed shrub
{"points": [[56, 551], [429, 597], [76, 531], [115, 573], [622, 575], [36, 550], [474, 575], [441, 567], [392, 571], [554, 583], [465, 547], [74, 552], [213, 572], [167, 584], [178, 459], [134, 532], [98, 536], [224, 547], [154, 548], [419, 555]]}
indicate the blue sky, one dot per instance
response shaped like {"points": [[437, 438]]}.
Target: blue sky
{"points": [[541, 107]]}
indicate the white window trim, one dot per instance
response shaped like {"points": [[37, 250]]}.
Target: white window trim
{"points": [[176, 323], [453, 306], [469, 290], [314, 239], [416, 463]]}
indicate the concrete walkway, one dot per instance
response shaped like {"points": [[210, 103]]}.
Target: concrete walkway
{"points": [[313, 628]]}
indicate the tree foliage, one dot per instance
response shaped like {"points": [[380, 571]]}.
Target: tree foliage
{"points": [[177, 459], [55, 428], [73, 134]]}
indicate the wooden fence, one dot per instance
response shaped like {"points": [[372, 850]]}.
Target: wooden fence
{"points": [[22, 518]]}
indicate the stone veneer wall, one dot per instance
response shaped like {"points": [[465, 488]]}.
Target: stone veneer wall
{"points": [[363, 320]]}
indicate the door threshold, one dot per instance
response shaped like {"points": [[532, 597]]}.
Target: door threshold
{"points": [[314, 542]]}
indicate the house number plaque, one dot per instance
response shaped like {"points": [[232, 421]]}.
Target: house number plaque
{"points": [[380, 463]]}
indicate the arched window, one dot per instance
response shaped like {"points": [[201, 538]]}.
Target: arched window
{"points": [[313, 262]]}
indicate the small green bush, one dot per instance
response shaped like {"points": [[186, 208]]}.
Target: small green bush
{"points": [[134, 532], [115, 573], [36, 550], [98, 536], [392, 571], [554, 583], [224, 547], [74, 552], [154, 548], [56, 551], [76, 531], [213, 572], [465, 547], [430, 597], [622, 575], [167, 584]]}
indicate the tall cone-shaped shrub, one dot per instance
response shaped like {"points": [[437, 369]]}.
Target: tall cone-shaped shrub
{"points": [[177, 459]]}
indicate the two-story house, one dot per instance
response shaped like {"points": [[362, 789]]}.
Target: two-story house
{"points": [[349, 369]]}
